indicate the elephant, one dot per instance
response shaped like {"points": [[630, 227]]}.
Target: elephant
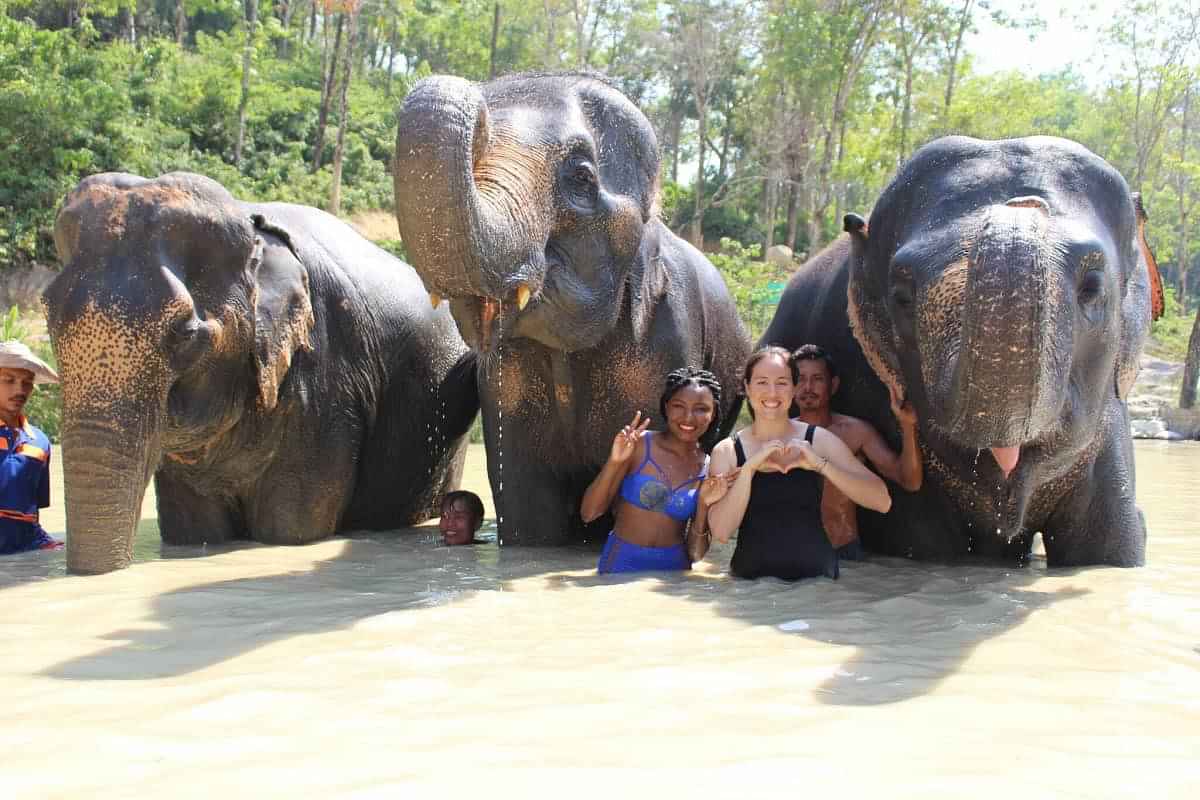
{"points": [[1006, 288], [280, 376], [530, 202]]}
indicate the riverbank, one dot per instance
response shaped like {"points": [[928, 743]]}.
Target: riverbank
{"points": [[1153, 403]]}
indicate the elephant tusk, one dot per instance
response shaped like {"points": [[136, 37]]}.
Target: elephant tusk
{"points": [[435, 299], [522, 296]]}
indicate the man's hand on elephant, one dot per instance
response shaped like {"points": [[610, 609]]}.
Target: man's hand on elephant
{"points": [[902, 408], [625, 442]]}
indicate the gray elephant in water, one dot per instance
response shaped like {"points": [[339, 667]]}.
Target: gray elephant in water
{"points": [[530, 202], [1006, 288], [281, 377]]}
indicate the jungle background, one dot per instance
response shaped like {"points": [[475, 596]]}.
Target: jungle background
{"points": [[775, 117]]}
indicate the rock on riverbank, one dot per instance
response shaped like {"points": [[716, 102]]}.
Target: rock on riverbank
{"points": [[1152, 404]]}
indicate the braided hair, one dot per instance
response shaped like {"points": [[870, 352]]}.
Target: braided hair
{"points": [[685, 376]]}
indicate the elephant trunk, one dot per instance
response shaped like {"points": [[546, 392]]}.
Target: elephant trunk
{"points": [[1012, 359], [469, 197], [117, 361], [105, 473]]}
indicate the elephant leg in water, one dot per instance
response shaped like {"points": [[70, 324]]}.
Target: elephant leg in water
{"points": [[1093, 524]]}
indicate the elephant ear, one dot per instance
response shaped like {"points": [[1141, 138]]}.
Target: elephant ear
{"points": [[865, 306], [283, 314], [1158, 305], [1141, 304]]}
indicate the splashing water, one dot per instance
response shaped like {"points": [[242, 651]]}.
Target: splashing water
{"points": [[499, 499]]}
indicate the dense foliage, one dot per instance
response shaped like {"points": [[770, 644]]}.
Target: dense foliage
{"points": [[775, 116]]}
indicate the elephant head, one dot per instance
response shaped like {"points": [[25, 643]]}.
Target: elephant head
{"points": [[1005, 287], [524, 202], [164, 291]]}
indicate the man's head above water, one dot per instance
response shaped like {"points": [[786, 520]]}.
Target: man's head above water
{"points": [[462, 514]]}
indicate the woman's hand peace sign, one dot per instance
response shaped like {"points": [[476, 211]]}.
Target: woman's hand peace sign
{"points": [[625, 442]]}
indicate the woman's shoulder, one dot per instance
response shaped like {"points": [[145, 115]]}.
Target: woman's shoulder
{"points": [[723, 451]]}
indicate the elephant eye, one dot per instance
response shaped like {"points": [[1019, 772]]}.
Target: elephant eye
{"points": [[902, 289], [183, 330], [1091, 288], [583, 175]]}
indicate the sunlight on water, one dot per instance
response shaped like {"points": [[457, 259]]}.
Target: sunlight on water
{"points": [[386, 665]]}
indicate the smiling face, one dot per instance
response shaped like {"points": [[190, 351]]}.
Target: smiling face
{"points": [[814, 386], [770, 387], [16, 387], [458, 522], [690, 412]]}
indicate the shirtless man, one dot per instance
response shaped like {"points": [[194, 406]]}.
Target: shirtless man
{"points": [[817, 384]]}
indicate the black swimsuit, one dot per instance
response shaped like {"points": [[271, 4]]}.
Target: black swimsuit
{"points": [[781, 534]]}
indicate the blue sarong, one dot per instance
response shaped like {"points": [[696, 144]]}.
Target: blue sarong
{"points": [[619, 555]]}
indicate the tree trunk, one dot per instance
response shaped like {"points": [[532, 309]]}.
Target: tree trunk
{"points": [[1181, 189], [128, 31], [335, 194], [1191, 367], [702, 131], [391, 62], [764, 214], [180, 23], [247, 60], [550, 57], [289, 6], [964, 22], [793, 229], [676, 135], [906, 115], [495, 36], [327, 92]]}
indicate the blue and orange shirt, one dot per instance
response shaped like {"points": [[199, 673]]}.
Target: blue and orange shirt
{"points": [[24, 487]]}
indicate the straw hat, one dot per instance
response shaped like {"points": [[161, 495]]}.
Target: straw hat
{"points": [[15, 355]]}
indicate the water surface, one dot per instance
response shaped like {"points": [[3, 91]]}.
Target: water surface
{"points": [[386, 665]]}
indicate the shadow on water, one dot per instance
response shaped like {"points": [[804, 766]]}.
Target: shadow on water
{"points": [[209, 623], [911, 626]]}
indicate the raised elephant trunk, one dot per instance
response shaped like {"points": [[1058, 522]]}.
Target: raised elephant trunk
{"points": [[470, 199], [1006, 380]]}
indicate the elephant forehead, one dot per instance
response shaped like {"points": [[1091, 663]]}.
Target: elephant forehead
{"points": [[104, 354], [99, 216]]}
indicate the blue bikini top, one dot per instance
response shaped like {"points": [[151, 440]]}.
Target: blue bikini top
{"points": [[651, 493]]}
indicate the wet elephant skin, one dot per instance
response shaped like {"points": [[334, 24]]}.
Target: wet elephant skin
{"points": [[530, 203], [279, 376], [1007, 289]]}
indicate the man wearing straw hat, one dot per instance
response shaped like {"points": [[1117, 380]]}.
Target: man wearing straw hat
{"points": [[24, 453]]}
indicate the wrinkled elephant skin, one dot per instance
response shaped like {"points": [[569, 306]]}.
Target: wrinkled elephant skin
{"points": [[1006, 288], [530, 204], [279, 376]]}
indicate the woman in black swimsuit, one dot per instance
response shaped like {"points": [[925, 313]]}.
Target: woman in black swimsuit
{"points": [[775, 502]]}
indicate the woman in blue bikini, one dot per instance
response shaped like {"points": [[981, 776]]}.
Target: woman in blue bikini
{"points": [[659, 476]]}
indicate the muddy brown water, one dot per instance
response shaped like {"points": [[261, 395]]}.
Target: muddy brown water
{"points": [[385, 665]]}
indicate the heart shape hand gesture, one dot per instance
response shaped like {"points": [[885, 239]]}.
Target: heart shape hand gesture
{"points": [[785, 456]]}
